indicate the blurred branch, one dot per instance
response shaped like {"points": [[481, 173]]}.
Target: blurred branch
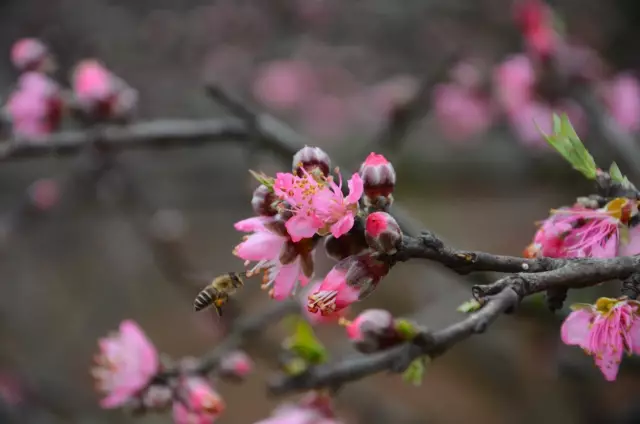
{"points": [[499, 297]]}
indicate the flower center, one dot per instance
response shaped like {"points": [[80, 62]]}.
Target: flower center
{"points": [[323, 301]]}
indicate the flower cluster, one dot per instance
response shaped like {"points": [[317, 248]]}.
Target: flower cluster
{"points": [[295, 209], [37, 105], [127, 370], [579, 232], [610, 327]]}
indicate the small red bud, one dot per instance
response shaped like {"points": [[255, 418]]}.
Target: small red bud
{"points": [[310, 158], [373, 330], [378, 176], [263, 201], [382, 233]]}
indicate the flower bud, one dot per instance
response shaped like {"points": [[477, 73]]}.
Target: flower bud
{"points": [[382, 233], [29, 54], [310, 158], [378, 176], [199, 402], [263, 201], [235, 366], [347, 245], [373, 330]]}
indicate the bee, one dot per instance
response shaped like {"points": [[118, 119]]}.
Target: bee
{"points": [[218, 291]]}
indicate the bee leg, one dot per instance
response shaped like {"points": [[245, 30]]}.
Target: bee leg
{"points": [[236, 280]]}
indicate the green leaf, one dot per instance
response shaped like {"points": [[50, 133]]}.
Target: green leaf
{"points": [[304, 342], [415, 372], [615, 173], [263, 179], [566, 141], [406, 329], [469, 306]]}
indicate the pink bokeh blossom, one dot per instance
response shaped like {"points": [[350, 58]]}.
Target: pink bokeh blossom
{"points": [[285, 84], [35, 107], [462, 114], [125, 364], [514, 80], [606, 331], [622, 97], [200, 404]]}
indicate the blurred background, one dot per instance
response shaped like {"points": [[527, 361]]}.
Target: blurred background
{"points": [[337, 72]]}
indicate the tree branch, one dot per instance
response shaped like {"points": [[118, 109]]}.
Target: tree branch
{"points": [[502, 296]]}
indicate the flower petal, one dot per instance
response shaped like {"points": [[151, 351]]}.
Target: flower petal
{"points": [[608, 361], [575, 328], [634, 336], [633, 246], [300, 227], [260, 246], [356, 188], [253, 224], [607, 250], [342, 226], [286, 280]]}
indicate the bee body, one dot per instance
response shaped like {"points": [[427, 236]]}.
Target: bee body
{"points": [[217, 293]]}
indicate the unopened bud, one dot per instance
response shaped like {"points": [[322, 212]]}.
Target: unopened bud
{"points": [[378, 176], [347, 245], [236, 366], [263, 201], [372, 331], [28, 54], [44, 194], [309, 159], [382, 233]]}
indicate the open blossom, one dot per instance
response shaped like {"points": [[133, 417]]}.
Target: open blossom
{"points": [[318, 204], [285, 263], [35, 107], [350, 280], [579, 232], [199, 403], [314, 408], [318, 318], [514, 80], [126, 363], [605, 330]]}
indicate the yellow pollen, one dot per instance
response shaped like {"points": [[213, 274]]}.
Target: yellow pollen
{"points": [[344, 322]]}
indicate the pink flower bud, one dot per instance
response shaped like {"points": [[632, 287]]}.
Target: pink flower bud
{"points": [[236, 365], [126, 363], [347, 245], [310, 158], [378, 176], [382, 233], [263, 200], [373, 330], [199, 403], [29, 54], [35, 107], [101, 95], [350, 280]]}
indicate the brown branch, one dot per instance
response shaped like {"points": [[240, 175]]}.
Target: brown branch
{"points": [[499, 297]]}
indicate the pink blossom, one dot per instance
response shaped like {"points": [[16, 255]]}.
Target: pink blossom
{"points": [[622, 96], [29, 54], [285, 263], [200, 404], [100, 94], [126, 363], [632, 246], [318, 318], [462, 114], [35, 107], [604, 330], [534, 18], [350, 280], [237, 365], [285, 84], [514, 80], [318, 204], [314, 408]]}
